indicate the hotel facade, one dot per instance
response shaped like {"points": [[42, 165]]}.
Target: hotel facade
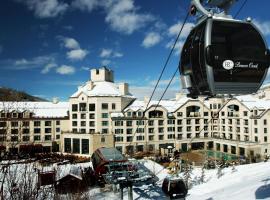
{"points": [[104, 113]]}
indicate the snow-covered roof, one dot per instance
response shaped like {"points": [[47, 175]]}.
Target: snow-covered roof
{"points": [[252, 102], [117, 114], [40, 109], [100, 88], [169, 105]]}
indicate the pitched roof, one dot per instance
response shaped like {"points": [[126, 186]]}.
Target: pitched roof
{"points": [[40, 109], [101, 88]]}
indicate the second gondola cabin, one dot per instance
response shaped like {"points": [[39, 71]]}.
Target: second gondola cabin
{"points": [[223, 56]]}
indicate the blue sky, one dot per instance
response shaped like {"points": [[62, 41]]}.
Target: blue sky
{"points": [[48, 46]]}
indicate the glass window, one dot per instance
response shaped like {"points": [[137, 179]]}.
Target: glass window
{"points": [[104, 106], [36, 123], [113, 106], [26, 138], [26, 131], [92, 107], [48, 123], [85, 146], [48, 130], [91, 116], [104, 115], [76, 145], [48, 137], [36, 137], [36, 130], [241, 43], [74, 107], [14, 131], [67, 145]]}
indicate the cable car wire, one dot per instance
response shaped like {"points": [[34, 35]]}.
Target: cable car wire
{"points": [[160, 76], [242, 6]]}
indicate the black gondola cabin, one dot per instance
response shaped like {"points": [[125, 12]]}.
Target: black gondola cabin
{"points": [[223, 56]]}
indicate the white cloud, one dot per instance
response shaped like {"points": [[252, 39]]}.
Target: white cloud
{"points": [[71, 43], [77, 54], [46, 8], [109, 53], [65, 69], [35, 62], [48, 67], [174, 29], [178, 46], [165, 82], [151, 39], [85, 5], [85, 68], [105, 53], [105, 62], [263, 26]]}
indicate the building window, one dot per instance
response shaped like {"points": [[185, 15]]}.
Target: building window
{"points": [[139, 114], [265, 138], [85, 146], [170, 121], [170, 129], [118, 139], [83, 116], [36, 137], [255, 130], [245, 113], [14, 115], [104, 131], [265, 130], [92, 107], [92, 116], [57, 130], [48, 137], [74, 107], [91, 131], [76, 145], [104, 106], [179, 136], [74, 123], [26, 138], [57, 137], [179, 129], [83, 123], [265, 122], [91, 123], [129, 131], [150, 130], [129, 123], [36, 123], [118, 123], [255, 122], [57, 122], [188, 121], [129, 138], [105, 123], [102, 139], [151, 137], [36, 130], [113, 106], [160, 122], [48, 123], [104, 115], [189, 128], [67, 145], [3, 124], [25, 123], [205, 114], [140, 130], [151, 122], [82, 106], [179, 114], [161, 130], [129, 114], [48, 130], [14, 131], [139, 122], [140, 137], [118, 131], [14, 138], [161, 137], [256, 139], [74, 116], [171, 136], [26, 131], [14, 124]]}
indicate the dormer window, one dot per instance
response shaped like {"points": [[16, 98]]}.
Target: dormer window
{"points": [[14, 115], [97, 72]]}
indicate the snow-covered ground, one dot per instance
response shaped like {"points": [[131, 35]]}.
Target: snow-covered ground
{"points": [[246, 182]]}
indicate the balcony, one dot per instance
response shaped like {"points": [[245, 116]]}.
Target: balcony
{"points": [[193, 114], [233, 114]]}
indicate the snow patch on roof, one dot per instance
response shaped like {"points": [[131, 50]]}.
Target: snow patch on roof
{"points": [[252, 102], [40, 109]]}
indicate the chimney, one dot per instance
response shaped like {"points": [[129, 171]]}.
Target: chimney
{"points": [[89, 85], [123, 87]]}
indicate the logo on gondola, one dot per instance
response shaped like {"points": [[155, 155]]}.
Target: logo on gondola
{"points": [[228, 64]]}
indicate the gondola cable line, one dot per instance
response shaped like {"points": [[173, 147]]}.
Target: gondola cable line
{"points": [[163, 69]]}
